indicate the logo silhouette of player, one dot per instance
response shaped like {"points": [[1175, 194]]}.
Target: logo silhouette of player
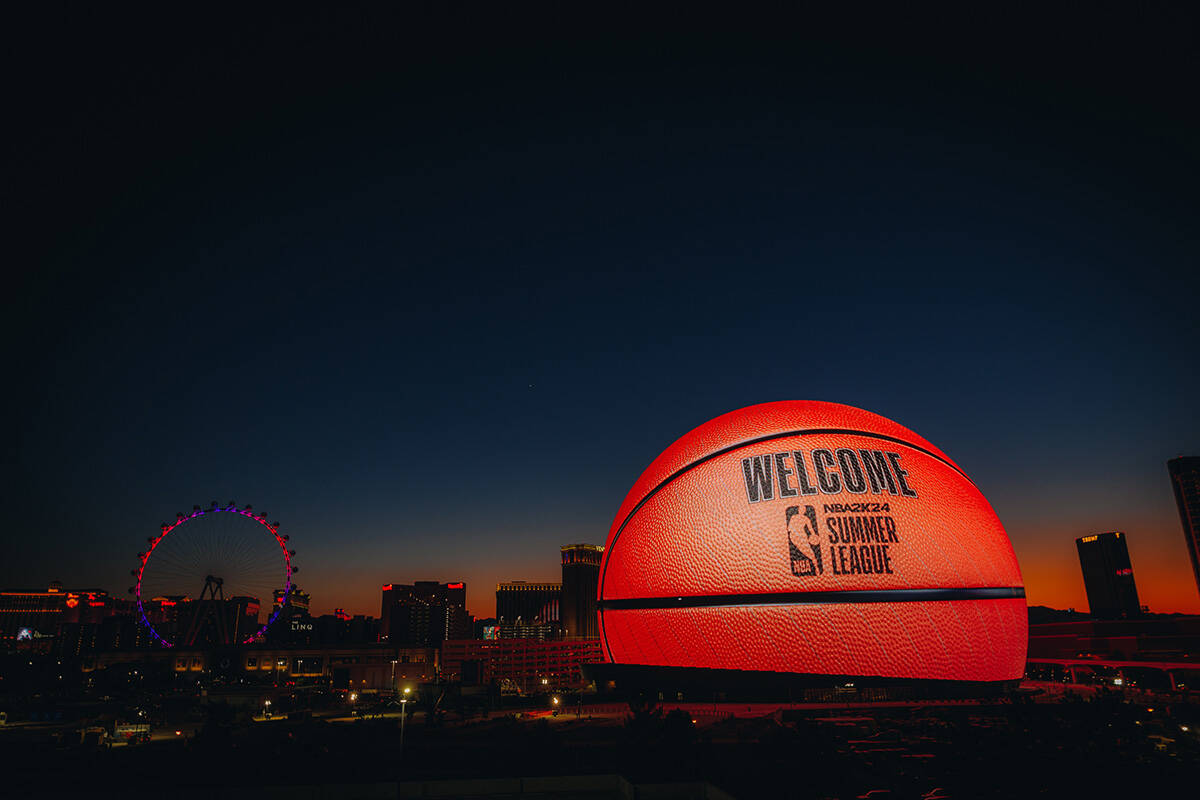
{"points": [[803, 547]]}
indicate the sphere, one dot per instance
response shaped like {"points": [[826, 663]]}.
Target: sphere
{"points": [[816, 538]]}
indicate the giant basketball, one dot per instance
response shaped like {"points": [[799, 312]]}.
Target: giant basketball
{"points": [[817, 538]]}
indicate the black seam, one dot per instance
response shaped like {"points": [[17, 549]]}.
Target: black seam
{"points": [[802, 598], [729, 449]]}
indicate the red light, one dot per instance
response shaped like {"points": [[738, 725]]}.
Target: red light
{"points": [[387, 587], [72, 600], [454, 585]]}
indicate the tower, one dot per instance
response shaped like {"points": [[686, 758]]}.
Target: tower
{"points": [[1108, 575], [1185, 480], [580, 576]]}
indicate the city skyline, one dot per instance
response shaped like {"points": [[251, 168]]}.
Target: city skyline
{"points": [[480, 592], [435, 306]]}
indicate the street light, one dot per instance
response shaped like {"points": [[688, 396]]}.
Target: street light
{"points": [[403, 715]]}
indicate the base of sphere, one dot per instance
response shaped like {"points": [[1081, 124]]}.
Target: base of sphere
{"points": [[698, 684]]}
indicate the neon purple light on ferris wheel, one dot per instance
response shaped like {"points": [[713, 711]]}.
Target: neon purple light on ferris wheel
{"points": [[245, 512]]}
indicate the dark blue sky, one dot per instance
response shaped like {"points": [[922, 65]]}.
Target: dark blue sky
{"points": [[433, 292]]}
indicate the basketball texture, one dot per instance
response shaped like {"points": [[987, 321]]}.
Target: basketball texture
{"points": [[811, 537]]}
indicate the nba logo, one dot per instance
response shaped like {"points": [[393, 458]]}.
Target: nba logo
{"points": [[803, 547]]}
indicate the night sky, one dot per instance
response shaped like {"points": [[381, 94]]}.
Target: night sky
{"points": [[433, 292]]}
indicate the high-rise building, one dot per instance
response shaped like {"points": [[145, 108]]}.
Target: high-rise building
{"points": [[424, 613], [523, 601], [1108, 575], [293, 624], [298, 600], [87, 606], [27, 615], [340, 628], [526, 610], [580, 575], [1185, 480]]}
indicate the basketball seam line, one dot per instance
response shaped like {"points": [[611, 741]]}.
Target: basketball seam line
{"points": [[677, 473], [823, 597]]}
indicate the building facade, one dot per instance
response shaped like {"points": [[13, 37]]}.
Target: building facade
{"points": [[1108, 576], [521, 665], [541, 631], [522, 603], [580, 577], [424, 613], [371, 667], [27, 615], [298, 600], [1160, 637], [1185, 481]]}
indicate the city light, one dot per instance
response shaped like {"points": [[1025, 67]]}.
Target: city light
{"points": [[403, 717], [353, 696]]}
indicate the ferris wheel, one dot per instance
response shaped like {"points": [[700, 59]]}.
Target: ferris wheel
{"points": [[206, 577]]}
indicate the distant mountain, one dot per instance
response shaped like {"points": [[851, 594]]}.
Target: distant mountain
{"points": [[1041, 615]]}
